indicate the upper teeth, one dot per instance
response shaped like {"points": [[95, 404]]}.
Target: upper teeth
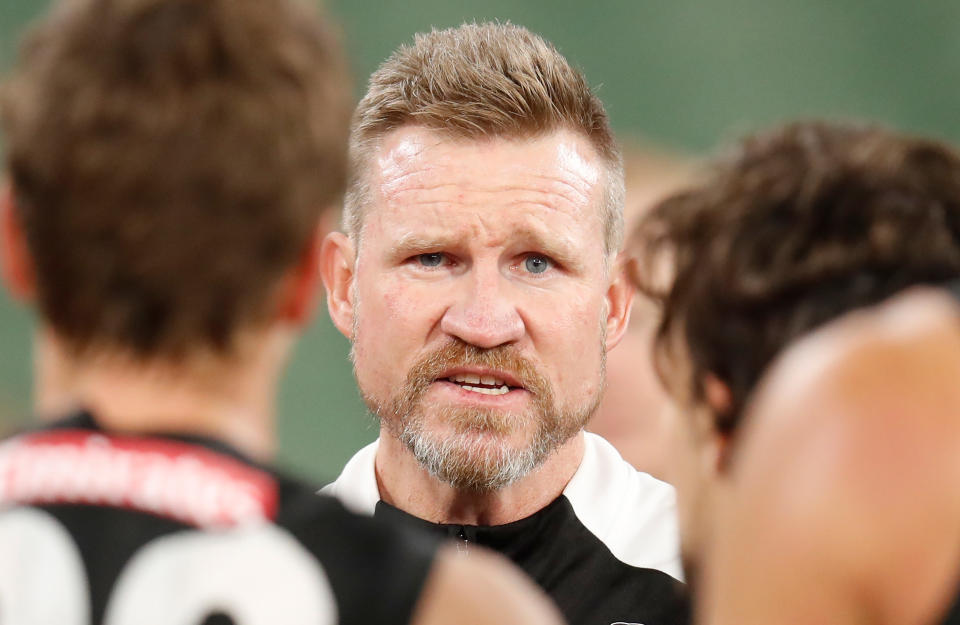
{"points": [[469, 379], [472, 378]]}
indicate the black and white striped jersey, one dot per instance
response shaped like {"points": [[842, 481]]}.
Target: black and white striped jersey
{"points": [[102, 528]]}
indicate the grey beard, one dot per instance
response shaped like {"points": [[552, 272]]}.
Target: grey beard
{"points": [[481, 467]]}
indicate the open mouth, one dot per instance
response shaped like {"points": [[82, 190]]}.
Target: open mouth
{"points": [[483, 384]]}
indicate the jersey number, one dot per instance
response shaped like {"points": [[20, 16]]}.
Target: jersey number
{"points": [[257, 575]]}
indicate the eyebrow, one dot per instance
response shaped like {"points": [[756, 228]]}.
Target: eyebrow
{"points": [[560, 249], [414, 243]]}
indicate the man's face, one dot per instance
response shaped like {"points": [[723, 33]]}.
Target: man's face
{"points": [[480, 299]]}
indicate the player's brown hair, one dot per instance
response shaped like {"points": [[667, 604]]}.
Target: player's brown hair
{"points": [[478, 81], [793, 228], [169, 160]]}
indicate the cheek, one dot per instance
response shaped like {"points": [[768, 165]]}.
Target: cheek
{"points": [[376, 340], [568, 333], [393, 325], [382, 305]]}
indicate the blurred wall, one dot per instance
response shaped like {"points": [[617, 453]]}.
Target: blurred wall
{"points": [[682, 73]]}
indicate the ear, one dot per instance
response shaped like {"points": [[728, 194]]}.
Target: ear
{"points": [[337, 264], [719, 401], [298, 294], [15, 261], [619, 302], [717, 393]]}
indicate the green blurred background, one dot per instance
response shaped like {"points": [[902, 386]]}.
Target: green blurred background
{"points": [[681, 74]]}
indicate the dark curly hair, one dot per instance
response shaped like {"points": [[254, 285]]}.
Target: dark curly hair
{"points": [[793, 228]]}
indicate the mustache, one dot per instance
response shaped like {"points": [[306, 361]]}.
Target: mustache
{"points": [[458, 353]]}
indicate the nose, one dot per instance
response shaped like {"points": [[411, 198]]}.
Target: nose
{"points": [[483, 313]]}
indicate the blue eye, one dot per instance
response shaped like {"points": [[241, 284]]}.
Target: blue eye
{"points": [[536, 264], [430, 260]]}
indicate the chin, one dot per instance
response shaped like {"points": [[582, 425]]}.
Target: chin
{"points": [[476, 460]]}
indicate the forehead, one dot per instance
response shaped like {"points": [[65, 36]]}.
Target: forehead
{"points": [[418, 173]]}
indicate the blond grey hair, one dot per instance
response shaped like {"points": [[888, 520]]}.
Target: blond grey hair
{"points": [[480, 81]]}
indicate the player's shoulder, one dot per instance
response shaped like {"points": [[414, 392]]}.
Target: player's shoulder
{"points": [[124, 509], [316, 517], [632, 513], [362, 557]]}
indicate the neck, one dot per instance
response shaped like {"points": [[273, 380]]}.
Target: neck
{"points": [[405, 484], [230, 400]]}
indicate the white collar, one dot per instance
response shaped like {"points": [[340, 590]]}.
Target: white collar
{"points": [[632, 513]]}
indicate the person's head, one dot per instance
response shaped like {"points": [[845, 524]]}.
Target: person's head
{"points": [[477, 82], [476, 279], [168, 163], [793, 228]]}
